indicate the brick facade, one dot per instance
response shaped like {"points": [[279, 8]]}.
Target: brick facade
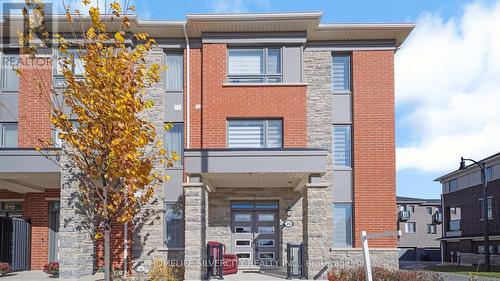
{"points": [[35, 87], [374, 145], [220, 102]]}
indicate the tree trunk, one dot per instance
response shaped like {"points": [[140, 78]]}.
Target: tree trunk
{"points": [[107, 263]]}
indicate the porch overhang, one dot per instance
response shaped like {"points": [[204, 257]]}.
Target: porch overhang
{"points": [[255, 168], [25, 170]]}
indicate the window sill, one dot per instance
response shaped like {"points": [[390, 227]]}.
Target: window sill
{"points": [[341, 92], [164, 249], [263, 84]]}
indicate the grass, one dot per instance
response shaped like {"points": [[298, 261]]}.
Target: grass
{"points": [[466, 270]]}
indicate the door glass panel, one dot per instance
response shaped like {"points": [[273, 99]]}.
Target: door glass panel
{"points": [[266, 242], [243, 229], [266, 255], [243, 255], [242, 242], [266, 205], [241, 205], [265, 217], [242, 217], [266, 229]]}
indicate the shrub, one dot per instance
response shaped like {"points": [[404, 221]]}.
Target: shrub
{"points": [[51, 268], [4, 268], [161, 271], [381, 274]]}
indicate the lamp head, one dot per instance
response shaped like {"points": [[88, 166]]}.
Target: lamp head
{"points": [[462, 164]]}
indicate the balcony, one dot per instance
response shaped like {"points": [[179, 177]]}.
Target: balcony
{"points": [[437, 218], [404, 215]]}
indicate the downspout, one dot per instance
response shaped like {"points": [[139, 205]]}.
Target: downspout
{"points": [[187, 88]]}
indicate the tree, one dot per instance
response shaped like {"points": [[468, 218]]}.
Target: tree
{"points": [[99, 117]]}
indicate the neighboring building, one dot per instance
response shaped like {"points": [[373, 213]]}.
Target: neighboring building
{"points": [[463, 223], [420, 229], [280, 118]]}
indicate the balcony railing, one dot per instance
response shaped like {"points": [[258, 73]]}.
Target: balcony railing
{"points": [[437, 218], [404, 215]]}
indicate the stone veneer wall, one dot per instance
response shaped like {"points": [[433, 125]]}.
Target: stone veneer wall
{"points": [[148, 235], [318, 206], [318, 214], [219, 213]]}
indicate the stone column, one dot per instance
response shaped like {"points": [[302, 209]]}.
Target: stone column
{"points": [[196, 197], [317, 227], [76, 248]]}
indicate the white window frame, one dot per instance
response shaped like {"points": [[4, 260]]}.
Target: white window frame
{"points": [[249, 253], [2, 133], [410, 223], [236, 242], [250, 231], [273, 253]]}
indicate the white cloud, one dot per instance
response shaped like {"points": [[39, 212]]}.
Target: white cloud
{"points": [[448, 75], [237, 6]]}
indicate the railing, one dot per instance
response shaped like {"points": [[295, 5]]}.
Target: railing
{"points": [[215, 261], [437, 218], [295, 261], [404, 215]]}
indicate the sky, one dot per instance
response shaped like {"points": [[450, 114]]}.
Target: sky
{"points": [[447, 74]]}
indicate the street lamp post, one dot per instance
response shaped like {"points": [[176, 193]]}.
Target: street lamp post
{"points": [[482, 167]]}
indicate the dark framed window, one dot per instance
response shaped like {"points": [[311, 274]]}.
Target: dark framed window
{"points": [[431, 229], [255, 65], [174, 225], [255, 133], [410, 227], [342, 145], [341, 73], [428, 210], [490, 208], [173, 77], [174, 142], [9, 80], [342, 225], [8, 134]]}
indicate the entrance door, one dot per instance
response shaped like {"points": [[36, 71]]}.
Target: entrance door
{"points": [[254, 227]]}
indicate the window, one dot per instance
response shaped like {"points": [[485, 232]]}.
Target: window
{"points": [[341, 73], [265, 217], [254, 65], [410, 227], [9, 78], [243, 229], [342, 224], [411, 208], [266, 243], [342, 145], [431, 229], [266, 229], [242, 217], [240, 243], [174, 142], [428, 210], [453, 211], [8, 134], [453, 185], [174, 225], [243, 255], [489, 173], [173, 77], [454, 225], [254, 134], [490, 208], [266, 255]]}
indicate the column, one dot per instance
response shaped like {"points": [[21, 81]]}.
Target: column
{"points": [[76, 249], [317, 227], [196, 197]]}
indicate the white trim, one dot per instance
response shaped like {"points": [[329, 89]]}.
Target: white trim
{"points": [[282, 84], [249, 258], [52, 199], [250, 232], [265, 259]]}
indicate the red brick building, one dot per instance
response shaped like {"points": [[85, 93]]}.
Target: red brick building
{"points": [[287, 131]]}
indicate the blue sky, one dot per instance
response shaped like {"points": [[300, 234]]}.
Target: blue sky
{"points": [[447, 74]]}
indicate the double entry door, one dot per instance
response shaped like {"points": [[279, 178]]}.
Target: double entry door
{"points": [[255, 232]]}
